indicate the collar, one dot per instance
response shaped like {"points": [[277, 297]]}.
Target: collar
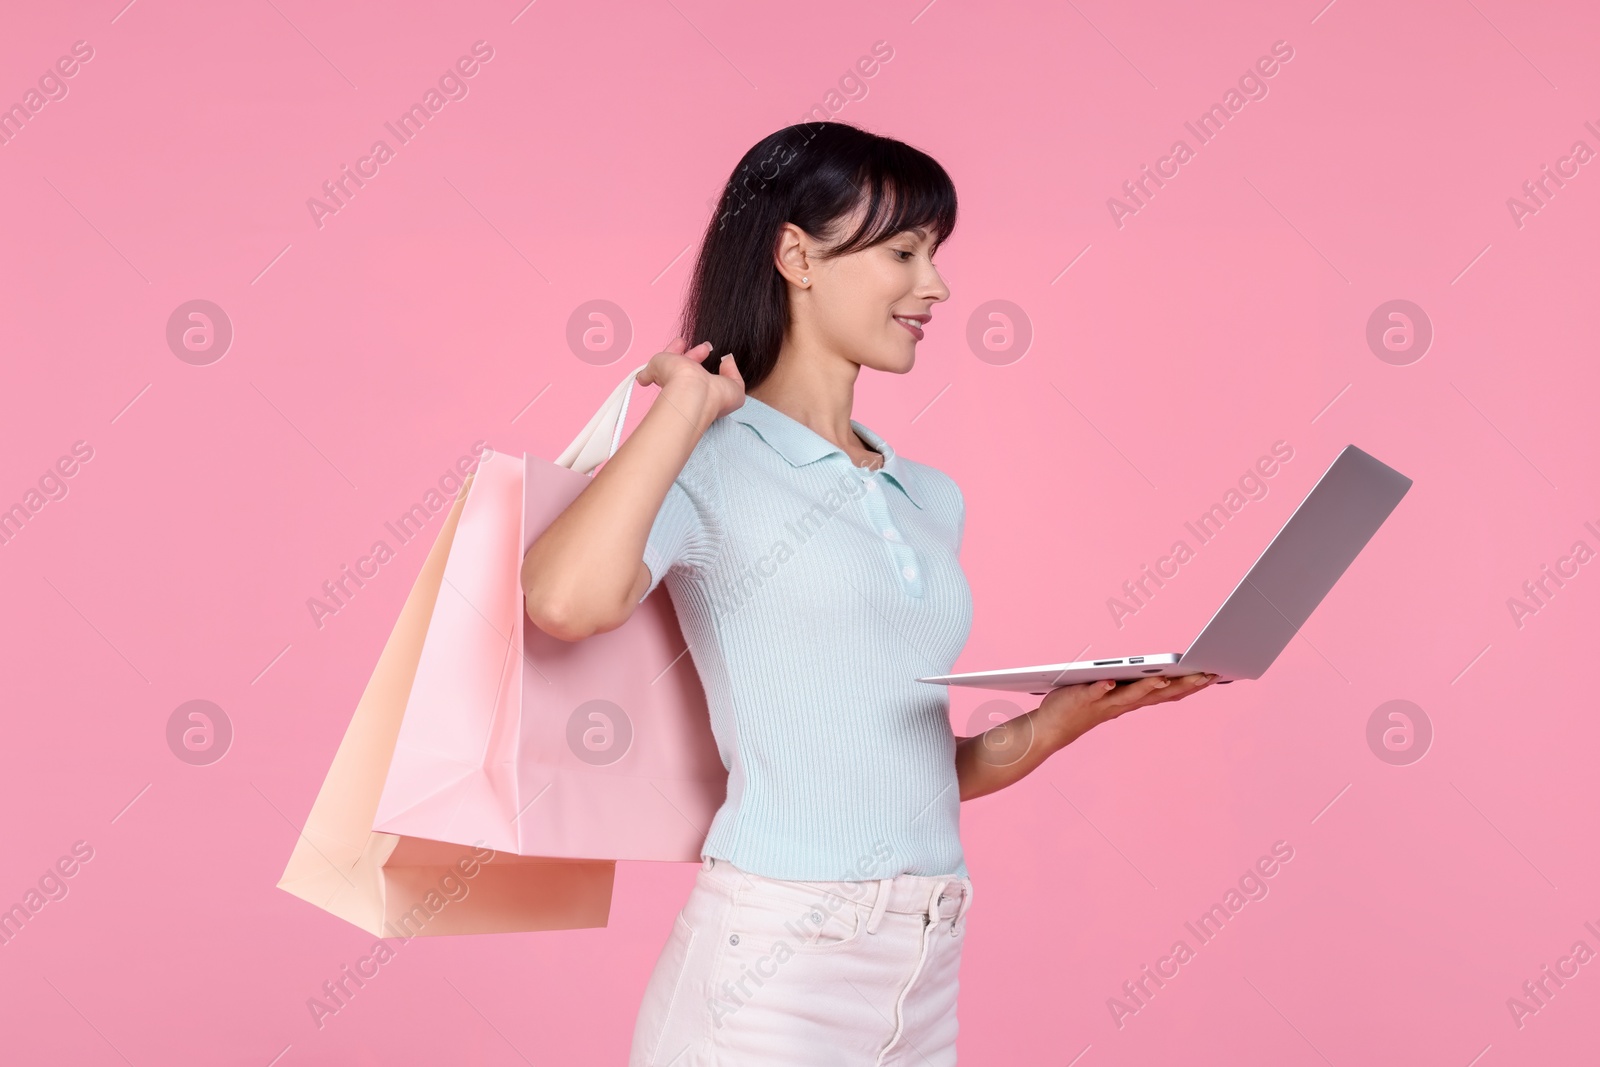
{"points": [[799, 444]]}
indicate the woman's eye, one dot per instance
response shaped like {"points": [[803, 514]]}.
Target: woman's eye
{"points": [[900, 252]]}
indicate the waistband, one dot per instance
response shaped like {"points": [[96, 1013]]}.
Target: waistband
{"points": [[936, 896]]}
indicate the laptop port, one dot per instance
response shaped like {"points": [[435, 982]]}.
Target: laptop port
{"points": [[1106, 662], [1135, 659]]}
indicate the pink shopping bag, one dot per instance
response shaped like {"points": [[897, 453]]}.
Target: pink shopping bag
{"points": [[595, 749]]}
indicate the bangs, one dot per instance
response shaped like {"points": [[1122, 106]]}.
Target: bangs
{"points": [[903, 189]]}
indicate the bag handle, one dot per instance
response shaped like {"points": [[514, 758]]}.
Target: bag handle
{"points": [[599, 440]]}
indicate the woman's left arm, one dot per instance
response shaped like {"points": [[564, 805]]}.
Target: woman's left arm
{"points": [[1010, 751]]}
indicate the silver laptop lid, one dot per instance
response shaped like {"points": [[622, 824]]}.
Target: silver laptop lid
{"points": [[1332, 524]]}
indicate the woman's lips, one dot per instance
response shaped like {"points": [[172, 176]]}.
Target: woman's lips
{"points": [[911, 326]]}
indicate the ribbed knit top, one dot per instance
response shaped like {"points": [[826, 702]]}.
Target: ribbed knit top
{"points": [[812, 593]]}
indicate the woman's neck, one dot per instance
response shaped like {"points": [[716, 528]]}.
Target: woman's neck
{"points": [[818, 393]]}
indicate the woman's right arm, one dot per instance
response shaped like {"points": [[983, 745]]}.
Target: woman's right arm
{"points": [[585, 573]]}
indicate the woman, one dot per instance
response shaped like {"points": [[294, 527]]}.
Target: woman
{"points": [[815, 575]]}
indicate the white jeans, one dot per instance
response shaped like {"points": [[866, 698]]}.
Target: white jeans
{"points": [[761, 971]]}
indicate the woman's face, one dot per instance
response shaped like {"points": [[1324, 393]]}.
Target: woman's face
{"points": [[870, 306]]}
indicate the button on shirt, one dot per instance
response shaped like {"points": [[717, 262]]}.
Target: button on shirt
{"points": [[812, 594]]}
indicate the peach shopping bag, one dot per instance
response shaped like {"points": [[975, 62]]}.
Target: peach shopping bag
{"points": [[596, 749], [404, 886]]}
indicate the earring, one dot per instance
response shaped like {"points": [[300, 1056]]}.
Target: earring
{"points": [[804, 280]]}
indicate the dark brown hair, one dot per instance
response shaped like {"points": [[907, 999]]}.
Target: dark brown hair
{"points": [[814, 175]]}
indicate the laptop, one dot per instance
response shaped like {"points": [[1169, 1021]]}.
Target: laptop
{"points": [[1268, 606]]}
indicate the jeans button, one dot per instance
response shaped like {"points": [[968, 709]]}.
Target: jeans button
{"points": [[733, 939]]}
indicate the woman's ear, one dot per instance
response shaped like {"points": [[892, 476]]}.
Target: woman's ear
{"points": [[792, 257]]}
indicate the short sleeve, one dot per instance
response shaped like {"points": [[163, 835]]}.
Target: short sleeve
{"points": [[684, 533]]}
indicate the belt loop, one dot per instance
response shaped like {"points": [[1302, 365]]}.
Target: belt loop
{"points": [[706, 863], [935, 898], [961, 911], [879, 904]]}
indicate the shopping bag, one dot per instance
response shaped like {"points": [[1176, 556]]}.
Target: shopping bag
{"points": [[599, 748], [400, 886]]}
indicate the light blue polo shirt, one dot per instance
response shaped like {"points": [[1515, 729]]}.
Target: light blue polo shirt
{"points": [[812, 593]]}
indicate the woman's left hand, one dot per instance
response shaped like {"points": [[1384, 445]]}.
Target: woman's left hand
{"points": [[1006, 753], [1070, 710]]}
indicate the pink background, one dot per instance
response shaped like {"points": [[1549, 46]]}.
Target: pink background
{"points": [[1228, 313]]}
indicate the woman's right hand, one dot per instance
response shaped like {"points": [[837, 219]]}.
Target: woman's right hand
{"points": [[585, 573], [679, 372]]}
